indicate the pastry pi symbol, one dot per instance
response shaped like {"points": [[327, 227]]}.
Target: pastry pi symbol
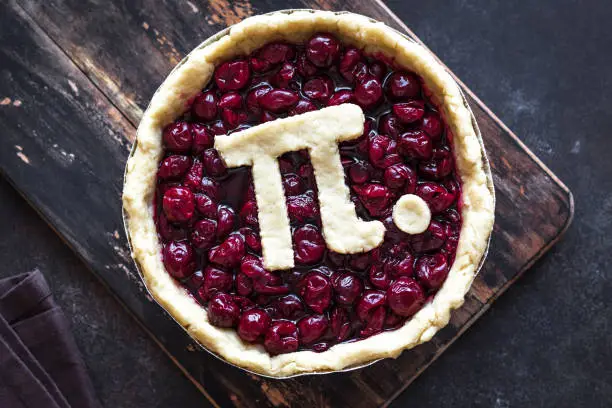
{"points": [[319, 132]]}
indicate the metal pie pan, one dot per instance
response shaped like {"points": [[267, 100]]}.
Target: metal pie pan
{"points": [[211, 40]]}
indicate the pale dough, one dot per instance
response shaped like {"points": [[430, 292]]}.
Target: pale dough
{"points": [[411, 214]]}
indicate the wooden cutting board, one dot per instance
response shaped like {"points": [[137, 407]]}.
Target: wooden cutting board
{"points": [[75, 77]]}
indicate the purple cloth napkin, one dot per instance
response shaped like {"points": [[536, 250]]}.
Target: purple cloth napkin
{"points": [[40, 365]]}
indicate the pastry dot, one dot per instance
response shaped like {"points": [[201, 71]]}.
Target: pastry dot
{"points": [[411, 214]]}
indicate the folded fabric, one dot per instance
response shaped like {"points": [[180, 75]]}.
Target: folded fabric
{"points": [[40, 364]]}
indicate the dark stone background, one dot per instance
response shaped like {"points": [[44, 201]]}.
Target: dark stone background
{"points": [[545, 68]]}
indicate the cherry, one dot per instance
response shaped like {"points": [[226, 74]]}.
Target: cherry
{"points": [[409, 112], [302, 106], [316, 291], [223, 311], [382, 151], [340, 97], [305, 67], [284, 76], [340, 324], [379, 277], [209, 187], [205, 106], [360, 172], [264, 282], [287, 307], [248, 213], [349, 60], [206, 206], [430, 240], [432, 125], [302, 207], [253, 325], [218, 128], [368, 92], [203, 138], [253, 97], [377, 69], [278, 100], [405, 296], [403, 85], [233, 118], [318, 88], [292, 184], [440, 166], [416, 144], [178, 204], [177, 137], [193, 178], [169, 231], [322, 50], [225, 221], [229, 252], [432, 270], [360, 261], [281, 337], [173, 167], [436, 196], [213, 163], [400, 177], [374, 197], [371, 311], [275, 53], [251, 238], [347, 287], [203, 233], [179, 259], [214, 280], [308, 244], [390, 125], [231, 76], [312, 327], [230, 100]]}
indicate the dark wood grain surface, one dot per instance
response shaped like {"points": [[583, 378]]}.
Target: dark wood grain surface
{"points": [[78, 74]]}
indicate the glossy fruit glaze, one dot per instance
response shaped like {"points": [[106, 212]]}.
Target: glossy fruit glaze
{"points": [[207, 214]]}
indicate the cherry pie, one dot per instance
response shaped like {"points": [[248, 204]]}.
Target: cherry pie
{"points": [[307, 193]]}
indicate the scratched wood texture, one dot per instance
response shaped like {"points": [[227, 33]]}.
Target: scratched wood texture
{"points": [[75, 76]]}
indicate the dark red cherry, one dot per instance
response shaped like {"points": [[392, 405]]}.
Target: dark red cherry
{"points": [[253, 325], [226, 218], [415, 144], [436, 196], [316, 291], [206, 206], [203, 233], [233, 118], [318, 88], [178, 204], [302, 106], [233, 75], [377, 69], [379, 276], [281, 337], [213, 163], [205, 106], [230, 100], [409, 112], [253, 97], [244, 285], [278, 100], [248, 213], [322, 50], [340, 97], [218, 128], [308, 244], [311, 328], [368, 92], [432, 125], [203, 138], [251, 238], [389, 125], [440, 166], [371, 311], [276, 52], [177, 137], [215, 280], [403, 85], [431, 270], [400, 177], [380, 149], [223, 311], [193, 178], [405, 296], [179, 259], [430, 240], [209, 187], [360, 172], [376, 198], [305, 67], [287, 307], [284, 76], [170, 231], [292, 184], [347, 287], [264, 282], [349, 60], [340, 324], [302, 207], [173, 167], [229, 252]]}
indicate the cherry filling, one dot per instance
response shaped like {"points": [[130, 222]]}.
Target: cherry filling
{"points": [[207, 213]]}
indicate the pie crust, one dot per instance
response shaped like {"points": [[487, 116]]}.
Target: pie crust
{"points": [[192, 74]]}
